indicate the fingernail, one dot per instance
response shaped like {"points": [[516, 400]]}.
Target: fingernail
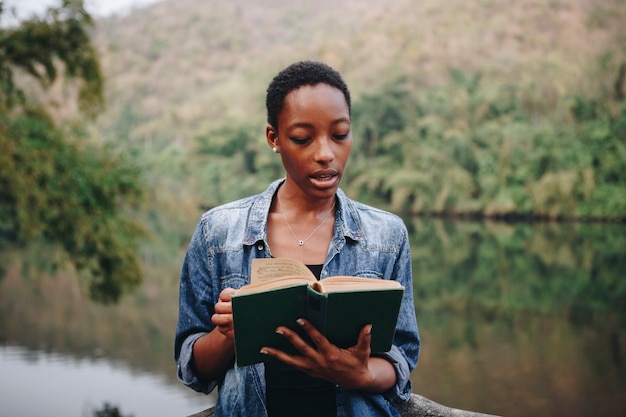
{"points": [[300, 322], [264, 352], [369, 329], [279, 331]]}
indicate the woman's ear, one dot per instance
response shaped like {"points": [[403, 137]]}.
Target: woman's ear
{"points": [[272, 137]]}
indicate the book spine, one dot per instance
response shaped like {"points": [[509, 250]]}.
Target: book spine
{"points": [[317, 310]]}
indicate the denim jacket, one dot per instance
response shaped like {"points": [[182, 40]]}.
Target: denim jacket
{"points": [[366, 242]]}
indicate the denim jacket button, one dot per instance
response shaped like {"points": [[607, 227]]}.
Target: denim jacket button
{"points": [[260, 247]]}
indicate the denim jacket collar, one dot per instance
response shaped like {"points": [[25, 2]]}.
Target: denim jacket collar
{"points": [[347, 220]]}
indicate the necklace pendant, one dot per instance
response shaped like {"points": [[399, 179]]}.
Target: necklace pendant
{"points": [[300, 241]]}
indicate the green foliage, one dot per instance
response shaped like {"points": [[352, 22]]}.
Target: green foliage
{"points": [[377, 115], [460, 114], [464, 148], [55, 183], [37, 47], [70, 194], [233, 162], [471, 149], [572, 269]]}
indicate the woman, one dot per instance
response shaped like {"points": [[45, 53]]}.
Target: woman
{"points": [[304, 216]]}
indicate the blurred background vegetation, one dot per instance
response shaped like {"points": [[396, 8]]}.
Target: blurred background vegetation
{"points": [[496, 129], [477, 109]]}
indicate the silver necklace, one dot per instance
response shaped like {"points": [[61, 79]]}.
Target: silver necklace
{"points": [[301, 241]]}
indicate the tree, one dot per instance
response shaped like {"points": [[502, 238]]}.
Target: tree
{"points": [[55, 183]]}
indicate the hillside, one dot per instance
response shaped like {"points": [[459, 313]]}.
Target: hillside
{"points": [[183, 64], [482, 82]]}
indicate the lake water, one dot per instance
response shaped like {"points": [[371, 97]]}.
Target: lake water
{"points": [[516, 320], [48, 384]]}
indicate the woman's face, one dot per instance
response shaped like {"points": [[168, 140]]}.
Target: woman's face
{"points": [[314, 139]]}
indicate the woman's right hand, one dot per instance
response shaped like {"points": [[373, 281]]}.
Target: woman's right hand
{"points": [[214, 352], [223, 317]]}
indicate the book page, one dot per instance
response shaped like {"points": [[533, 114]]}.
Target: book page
{"points": [[343, 283], [273, 284], [267, 269]]}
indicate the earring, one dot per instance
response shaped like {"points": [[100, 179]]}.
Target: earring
{"points": [[274, 149]]}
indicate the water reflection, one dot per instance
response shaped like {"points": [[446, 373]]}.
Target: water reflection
{"points": [[516, 320], [522, 319], [34, 383]]}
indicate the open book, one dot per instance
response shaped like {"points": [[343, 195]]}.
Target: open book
{"points": [[282, 290]]}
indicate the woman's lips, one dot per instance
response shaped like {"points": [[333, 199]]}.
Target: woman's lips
{"points": [[325, 179]]}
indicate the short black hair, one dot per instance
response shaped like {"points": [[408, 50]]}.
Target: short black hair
{"points": [[295, 76]]}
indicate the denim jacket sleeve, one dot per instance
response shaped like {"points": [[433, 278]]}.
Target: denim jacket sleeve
{"points": [[218, 256], [405, 350], [195, 310]]}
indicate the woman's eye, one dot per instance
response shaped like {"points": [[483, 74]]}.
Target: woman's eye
{"points": [[341, 136], [299, 141]]}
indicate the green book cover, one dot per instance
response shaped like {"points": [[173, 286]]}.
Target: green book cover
{"points": [[257, 316], [338, 307], [341, 315]]}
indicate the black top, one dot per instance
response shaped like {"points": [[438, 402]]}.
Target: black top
{"points": [[294, 393]]}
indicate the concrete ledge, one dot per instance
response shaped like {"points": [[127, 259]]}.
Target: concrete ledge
{"points": [[417, 406]]}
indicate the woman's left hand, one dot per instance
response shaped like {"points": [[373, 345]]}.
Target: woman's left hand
{"points": [[351, 368]]}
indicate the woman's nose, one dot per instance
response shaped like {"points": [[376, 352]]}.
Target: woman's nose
{"points": [[324, 151]]}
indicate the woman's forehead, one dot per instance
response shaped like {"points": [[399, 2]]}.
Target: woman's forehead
{"points": [[313, 98]]}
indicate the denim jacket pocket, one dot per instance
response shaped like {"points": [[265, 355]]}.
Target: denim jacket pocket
{"points": [[235, 281]]}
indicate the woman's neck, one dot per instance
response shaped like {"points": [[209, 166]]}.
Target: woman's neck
{"points": [[296, 233]]}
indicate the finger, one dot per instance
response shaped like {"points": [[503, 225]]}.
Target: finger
{"points": [[279, 354], [364, 340], [224, 304], [223, 307], [224, 323], [301, 361], [315, 335], [222, 320], [297, 340], [227, 294]]}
